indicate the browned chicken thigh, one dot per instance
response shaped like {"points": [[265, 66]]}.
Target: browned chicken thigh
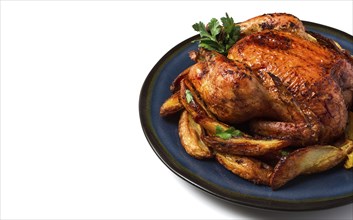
{"points": [[228, 88]]}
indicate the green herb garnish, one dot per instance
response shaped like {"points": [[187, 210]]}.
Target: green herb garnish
{"points": [[228, 133], [284, 153], [188, 96], [216, 37]]}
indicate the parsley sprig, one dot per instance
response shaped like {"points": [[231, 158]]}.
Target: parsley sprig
{"points": [[188, 96], [218, 37], [227, 133]]}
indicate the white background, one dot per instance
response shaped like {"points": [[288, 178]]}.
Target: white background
{"points": [[71, 142]]}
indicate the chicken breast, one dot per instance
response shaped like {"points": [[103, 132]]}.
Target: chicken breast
{"points": [[313, 74]]}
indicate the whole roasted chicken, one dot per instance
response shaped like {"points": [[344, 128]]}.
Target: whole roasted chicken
{"points": [[281, 81], [287, 84]]}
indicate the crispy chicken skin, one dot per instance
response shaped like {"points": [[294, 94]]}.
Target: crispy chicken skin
{"points": [[313, 74], [227, 87], [274, 21]]}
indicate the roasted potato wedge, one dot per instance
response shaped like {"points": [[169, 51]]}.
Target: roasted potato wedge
{"points": [[306, 160], [348, 149], [273, 157], [244, 145], [246, 167], [348, 164], [171, 105], [347, 146], [189, 133]]}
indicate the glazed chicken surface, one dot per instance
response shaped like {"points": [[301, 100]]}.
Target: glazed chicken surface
{"points": [[285, 83]]}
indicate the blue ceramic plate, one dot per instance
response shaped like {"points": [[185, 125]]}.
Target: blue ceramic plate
{"points": [[319, 191]]}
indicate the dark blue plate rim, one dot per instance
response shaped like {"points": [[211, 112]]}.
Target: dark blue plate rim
{"points": [[201, 183]]}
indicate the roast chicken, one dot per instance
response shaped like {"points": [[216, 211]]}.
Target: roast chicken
{"points": [[289, 87], [284, 82]]}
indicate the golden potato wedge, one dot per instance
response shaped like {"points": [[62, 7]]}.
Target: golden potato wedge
{"points": [[348, 149], [347, 146], [273, 157], [306, 160], [189, 133], [171, 105], [348, 164], [244, 145], [211, 124], [246, 167]]}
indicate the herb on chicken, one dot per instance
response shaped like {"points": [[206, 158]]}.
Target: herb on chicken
{"points": [[188, 96], [218, 37]]}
